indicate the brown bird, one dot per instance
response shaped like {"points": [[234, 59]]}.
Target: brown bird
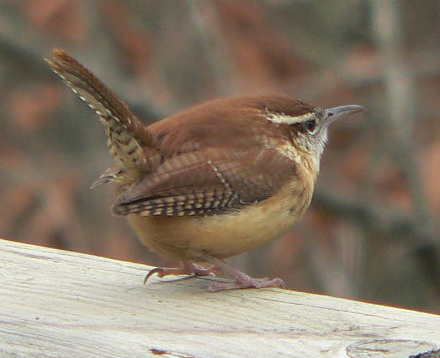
{"points": [[212, 181]]}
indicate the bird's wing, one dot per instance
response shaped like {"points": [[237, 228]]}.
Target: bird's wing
{"points": [[207, 182]]}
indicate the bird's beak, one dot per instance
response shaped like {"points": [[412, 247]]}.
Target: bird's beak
{"points": [[332, 114]]}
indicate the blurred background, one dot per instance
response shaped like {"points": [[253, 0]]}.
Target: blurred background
{"points": [[372, 232]]}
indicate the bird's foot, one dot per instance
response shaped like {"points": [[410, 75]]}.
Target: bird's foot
{"points": [[249, 282], [242, 280], [188, 268]]}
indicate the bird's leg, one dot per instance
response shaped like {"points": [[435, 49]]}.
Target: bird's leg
{"points": [[187, 268], [241, 279]]}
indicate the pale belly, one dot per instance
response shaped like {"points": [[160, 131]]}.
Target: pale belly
{"points": [[187, 238]]}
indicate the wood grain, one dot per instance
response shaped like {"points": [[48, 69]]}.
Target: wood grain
{"points": [[57, 303]]}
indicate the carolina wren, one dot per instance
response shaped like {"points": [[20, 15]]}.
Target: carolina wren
{"points": [[212, 181]]}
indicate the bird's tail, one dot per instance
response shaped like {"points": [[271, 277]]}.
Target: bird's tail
{"points": [[129, 141]]}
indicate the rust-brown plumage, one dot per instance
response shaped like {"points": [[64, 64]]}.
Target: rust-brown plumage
{"points": [[214, 180]]}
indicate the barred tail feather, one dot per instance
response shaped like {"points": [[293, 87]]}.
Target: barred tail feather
{"points": [[128, 138]]}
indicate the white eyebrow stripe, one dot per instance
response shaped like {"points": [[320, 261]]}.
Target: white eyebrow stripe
{"points": [[281, 118]]}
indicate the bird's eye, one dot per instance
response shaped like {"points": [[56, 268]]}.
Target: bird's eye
{"points": [[310, 125]]}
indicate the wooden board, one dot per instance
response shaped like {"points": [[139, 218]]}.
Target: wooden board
{"points": [[57, 303]]}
